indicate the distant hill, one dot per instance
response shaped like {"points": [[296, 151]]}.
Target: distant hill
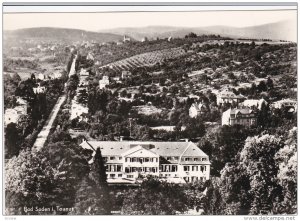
{"points": [[283, 30], [60, 34]]}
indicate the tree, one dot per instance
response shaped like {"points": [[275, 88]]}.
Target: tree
{"points": [[88, 201], [28, 182], [234, 188], [98, 176], [287, 174], [257, 160], [154, 197], [195, 128], [212, 203], [70, 162], [12, 141]]}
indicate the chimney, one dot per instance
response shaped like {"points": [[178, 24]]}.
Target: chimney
{"points": [[121, 138]]}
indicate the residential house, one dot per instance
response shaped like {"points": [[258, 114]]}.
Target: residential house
{"points": [[171, 161], [241, 116], [55, 75], [126, 74], [90, 56], [39, 89], [41, 76], [288, 104], [196, 109], [12, 115], [251, 103], [126, 39], [227, 96], [104, 82]]}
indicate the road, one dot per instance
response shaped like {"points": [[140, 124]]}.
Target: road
{"points": [[43, 135]]}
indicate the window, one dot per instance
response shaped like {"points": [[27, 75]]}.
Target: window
{"points": [[202, 168], [204, 159], [147, 159], [129, 176], [196, 159], [104, 159], [127, 159], [119, 168], [168, 158], [186, 168], [176, 158], [120, 158], [119, 175], [195, 168], [187, 159], [112, 175], [112, 158]]}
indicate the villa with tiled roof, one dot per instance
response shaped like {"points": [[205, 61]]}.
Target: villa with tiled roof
{"points": [[173, 161], [226, 96], [241, 116]]}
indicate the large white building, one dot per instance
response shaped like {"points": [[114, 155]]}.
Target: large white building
{"points": [[173, 161], [241, 116]]}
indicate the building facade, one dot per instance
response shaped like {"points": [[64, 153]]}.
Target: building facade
{"points": [[104, 82], [227, 96], [251, 103], [196, 109], [12, 115], [240, 116], [289, 104], [180, 162]]}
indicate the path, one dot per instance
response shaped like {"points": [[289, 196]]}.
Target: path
{"points": [[43, 135]]}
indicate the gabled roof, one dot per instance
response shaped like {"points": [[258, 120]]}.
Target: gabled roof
{"points": [[119, 148], [138, 151], [242, 111]]}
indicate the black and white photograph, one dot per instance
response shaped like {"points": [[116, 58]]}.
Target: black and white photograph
{"points": [[139, 109]]}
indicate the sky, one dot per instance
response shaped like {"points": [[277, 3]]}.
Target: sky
{"points": [[109, 20]]}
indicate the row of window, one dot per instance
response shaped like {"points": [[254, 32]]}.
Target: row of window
{"points": [[194, 168], [194, 178], [188, 179], [113, 168], [153, 159], [141, 169], [141, 159], [194, 159], [111, 158], [168, 168]]}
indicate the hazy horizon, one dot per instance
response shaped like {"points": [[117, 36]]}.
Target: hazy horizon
{"points": [[113, 20]]}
